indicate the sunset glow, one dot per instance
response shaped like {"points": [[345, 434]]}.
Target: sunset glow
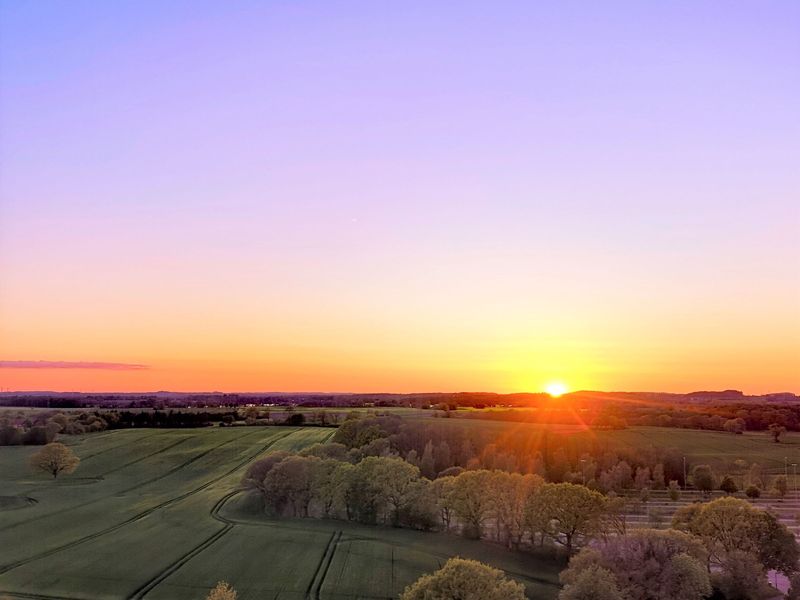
{"points": [[556, 389], [376, 199]]}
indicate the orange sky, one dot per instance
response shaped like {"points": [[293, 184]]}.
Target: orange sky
{"points": [[380, 198]]}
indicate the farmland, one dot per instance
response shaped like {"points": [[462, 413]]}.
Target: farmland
{"points": [[155, 514], [720, 450]]}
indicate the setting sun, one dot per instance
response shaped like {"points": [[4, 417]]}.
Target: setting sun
{"points": [[556, 389]]}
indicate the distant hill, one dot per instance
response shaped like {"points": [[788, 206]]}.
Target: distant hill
{"points": [[166, 399]]}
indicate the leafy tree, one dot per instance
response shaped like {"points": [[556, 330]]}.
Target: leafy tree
{"points": [[256, 472], [781, 486], [466, 580], [328, 450], [289, 483], [658, 477], [752, 491], [345, 489], [592, 583], [421, 508], [355, 433], [222, 591], [794, 587], [55, 458], [510, 492], [756, 476], [674, 490], [566, 512], [442, 488], [642, 480], [703, 478], [734, 426], [741, 577], [776, 431], [728, 485], [323, 484], [729, 525], [471, 500], [393, 480], [647, 564]]}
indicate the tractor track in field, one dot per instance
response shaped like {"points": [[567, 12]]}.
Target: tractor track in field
{"points": [[9, 566], [183, 465], [147, 587], [228, 524], [152, 454], [38, 596], [315, 586], [439, 556], [175, 469], [122, 445]]}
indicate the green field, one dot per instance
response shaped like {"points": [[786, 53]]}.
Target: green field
{"points": [[719, 449], [154, 513]]}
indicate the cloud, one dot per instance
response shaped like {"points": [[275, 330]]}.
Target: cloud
{"points": [[65, 364]]}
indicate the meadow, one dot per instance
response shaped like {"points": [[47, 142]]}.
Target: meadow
{"points": [[155, 513], [719, 449]]}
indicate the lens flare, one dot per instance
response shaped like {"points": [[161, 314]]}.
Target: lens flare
{"points": [[556, 389]]}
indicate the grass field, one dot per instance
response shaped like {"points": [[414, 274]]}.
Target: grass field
{"points": [[154, 514], [720, 450]]}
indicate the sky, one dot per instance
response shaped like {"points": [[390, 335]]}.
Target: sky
{"points": [[399, 196]]}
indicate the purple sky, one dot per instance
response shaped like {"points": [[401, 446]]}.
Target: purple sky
{"points": [[402, 195]]}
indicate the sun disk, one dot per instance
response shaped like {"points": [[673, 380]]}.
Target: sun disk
{"points": [[556, 389]]}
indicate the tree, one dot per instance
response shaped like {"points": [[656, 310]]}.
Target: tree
{"points": [[728, 485], [741, 577], [753, 492], [734, 426], [642, 480], [566, 512], [756, 476], [222, 591], [393, 480], [443, 492], [703, 478], [510, 493], [794, 587], [728, 525], [323, 484], [355, 433], [256, 472], [658, 477], [55, 458], [646, 564], [443, 455], [289, 483], [471, 500], [591, 583], [466, 580], [781, 486], [776, 431], [428, 464], [674, 490]]}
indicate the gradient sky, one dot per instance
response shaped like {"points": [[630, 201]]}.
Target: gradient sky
{"points": [[399, 196]]}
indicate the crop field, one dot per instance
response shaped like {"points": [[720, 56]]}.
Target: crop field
{"points": [[719, 449], [154, 513]]}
